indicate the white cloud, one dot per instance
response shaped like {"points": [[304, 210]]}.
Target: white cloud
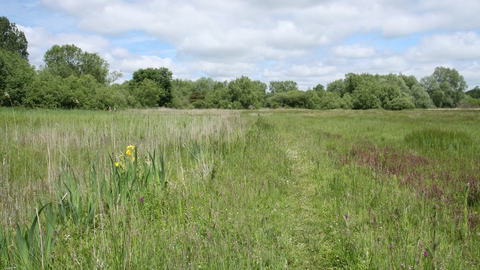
{"points": [[354, 51], [455, 46]]}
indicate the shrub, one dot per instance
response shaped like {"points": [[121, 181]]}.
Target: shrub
{"points": [[400, 103]]}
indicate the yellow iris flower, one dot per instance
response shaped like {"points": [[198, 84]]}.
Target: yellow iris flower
{"points": [[130, 149]]}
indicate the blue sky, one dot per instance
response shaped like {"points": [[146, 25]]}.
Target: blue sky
{"points": [[308, 41]]}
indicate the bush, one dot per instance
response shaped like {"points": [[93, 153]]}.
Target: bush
{"points": [[332, 100], [147, 93], [400, 103], [421, 98], [48, 91], [470, 102], [15, 74], [364, 98]]}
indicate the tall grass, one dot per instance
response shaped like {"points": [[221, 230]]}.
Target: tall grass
{"points": [[434, 140], [51, 140]]}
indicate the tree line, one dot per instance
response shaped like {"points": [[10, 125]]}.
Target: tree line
{"points": [[72, 78]]}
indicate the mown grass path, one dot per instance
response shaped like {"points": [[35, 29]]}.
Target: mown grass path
{"points": [[306, 235], [309, 249]]}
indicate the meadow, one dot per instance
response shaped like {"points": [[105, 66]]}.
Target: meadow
{"points": [[223, 189]]}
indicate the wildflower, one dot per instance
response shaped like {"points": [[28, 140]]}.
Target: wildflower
{"points": [[133, 159], [7, 95], [130, 149], [263, 183], [425, 254], [116, 164], [346, 215], [141, 199], [390, 246]]}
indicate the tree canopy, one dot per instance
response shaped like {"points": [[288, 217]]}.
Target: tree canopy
{"points": [[13, 39], [15, 76], [154, 84], [282, 86], [68, 60]]}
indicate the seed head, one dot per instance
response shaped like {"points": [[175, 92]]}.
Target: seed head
{"points": [[7, 95]]}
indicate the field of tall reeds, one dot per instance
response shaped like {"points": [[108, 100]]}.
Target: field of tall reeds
{"points": [[221, 189]]}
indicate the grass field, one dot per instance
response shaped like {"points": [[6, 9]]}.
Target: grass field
{"points": [[213, 189]]}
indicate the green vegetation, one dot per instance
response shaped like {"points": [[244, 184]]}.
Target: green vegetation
{"points": [[72, 78], [12, 39], [69, 60], [223, 189]]}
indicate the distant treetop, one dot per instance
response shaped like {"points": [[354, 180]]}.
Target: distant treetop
{"points": [[13, 39]]}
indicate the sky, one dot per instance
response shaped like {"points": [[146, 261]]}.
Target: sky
{"points": [[307, 41]]}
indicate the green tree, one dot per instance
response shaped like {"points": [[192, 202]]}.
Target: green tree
{"points": [[162, 77], [195, 96], [456, 81], [347, 101], [410, 81], [219, 97], [67, 60], [13, 39], [388, 93], [201, 88], [319, 88], [430, 84], [448, 100], [147, 92], [244, 92], [421, 99], [204, 85], [49, 91], [437, 97], [282, 86], [474, 93], [52, 91], [332, 100], [119, 94], [181, 90], [452, 84], [393, 79], [445, 87], [313, 98], [364, 98], [337, 87], [15, 76], [400, 103]]}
